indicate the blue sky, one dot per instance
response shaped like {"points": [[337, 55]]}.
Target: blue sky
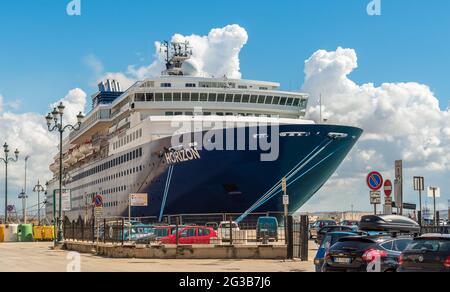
{"points": [[43, 50]]}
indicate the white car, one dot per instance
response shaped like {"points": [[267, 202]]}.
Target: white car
{"points": [[223, 231]]}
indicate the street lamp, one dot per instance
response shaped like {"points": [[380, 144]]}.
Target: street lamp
{"points": [[23, 196], [55, 123], [7, 160], [39, 189]]}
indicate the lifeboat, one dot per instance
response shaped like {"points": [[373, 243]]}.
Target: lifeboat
{"points": [[86, 148], [77, 153], [54, 167]]}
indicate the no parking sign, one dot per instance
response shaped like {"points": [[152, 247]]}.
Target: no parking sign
{"points": [[375, 181]]}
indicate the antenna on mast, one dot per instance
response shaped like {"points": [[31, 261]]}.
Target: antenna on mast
{"points": [[176, 54]]}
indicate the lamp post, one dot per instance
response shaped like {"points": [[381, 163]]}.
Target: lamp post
{"points": [[39, 189], [7, 160], [23, 196], [55, 123]]}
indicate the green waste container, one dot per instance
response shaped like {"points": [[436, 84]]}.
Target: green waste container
{"points": [[25, 233]]}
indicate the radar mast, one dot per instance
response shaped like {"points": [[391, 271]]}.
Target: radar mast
{"points": [[176, 53]]}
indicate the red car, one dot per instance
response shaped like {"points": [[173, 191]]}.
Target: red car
{"points": [[191, 235]]}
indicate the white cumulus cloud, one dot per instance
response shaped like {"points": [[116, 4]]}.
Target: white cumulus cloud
{"points": [[28, 133], [401, 121], [215, 54]]}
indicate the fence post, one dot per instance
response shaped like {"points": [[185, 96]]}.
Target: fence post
{"points": [[304, 239], [93, 230], [123, 229], [177, 236], [104, 231], [231, 230], [290, 237]]}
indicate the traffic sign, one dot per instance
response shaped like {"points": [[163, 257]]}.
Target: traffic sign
{"points": [[98, 201], [375, 198], [98, 212], [285, 200], [284, 185], [138, 200], [388, 188], [374, 181]]}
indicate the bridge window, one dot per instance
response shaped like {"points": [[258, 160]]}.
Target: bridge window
{"points": [[158, 97], [237, 98], [212, 97], [283, 101], [203, 96], [220, 97], [296, 102], [167, 96], [261, 99], [245, 98], [276, 100], [139, 97], [253, 99], [177, 97], [229, 98], [186, 96], [269, 100], [194, 97], [289, 101], [149, 96]]}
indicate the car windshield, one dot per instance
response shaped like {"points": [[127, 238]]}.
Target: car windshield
{"points": [[161, 232], [352, 244], [433, 245], [227, 225]]}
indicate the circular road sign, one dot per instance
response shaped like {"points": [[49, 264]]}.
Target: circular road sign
{"points": [[375, 181], [388, 188], [98, 201]]}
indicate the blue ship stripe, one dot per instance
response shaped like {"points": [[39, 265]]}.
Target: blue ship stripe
{"points": [[299, 177], [306, 172], [289, 175], [278, 184], [166, 191]]}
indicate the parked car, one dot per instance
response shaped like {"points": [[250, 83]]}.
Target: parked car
{"points": [[330, 239], [389, 223], [332, 228], [267, 228], [191, 235], [427, 253], [319, 225], [136, 231], [157, 234], [359, 253], [224, 230], [352, 223]]}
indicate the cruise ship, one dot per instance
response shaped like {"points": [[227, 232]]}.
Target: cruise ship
{"points": [[197, 145]]}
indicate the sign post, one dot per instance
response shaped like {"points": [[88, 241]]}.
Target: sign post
{"points": [[98, 213], [399, 186], [387, 197], [135, 200], [434, 192], [285, 197], [419, 185], [375, 183]]}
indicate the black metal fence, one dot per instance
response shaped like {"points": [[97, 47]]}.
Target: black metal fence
{"points": [[212, 229], [435, 229]]}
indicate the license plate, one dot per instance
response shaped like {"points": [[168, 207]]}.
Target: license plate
{"points": [[343, 260]]}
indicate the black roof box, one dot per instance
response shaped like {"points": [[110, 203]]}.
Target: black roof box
{"points": [[389, 223]]}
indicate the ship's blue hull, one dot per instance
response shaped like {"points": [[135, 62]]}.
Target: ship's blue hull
{"points": [[234, 181]]}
